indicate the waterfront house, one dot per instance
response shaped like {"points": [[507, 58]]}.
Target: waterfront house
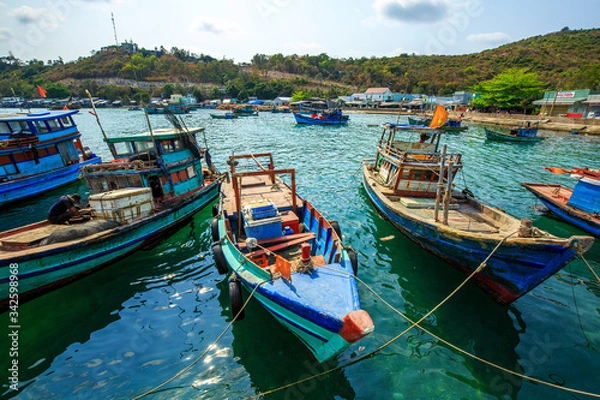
{"points": [[378, 94], [568, 103], [593, 106]]}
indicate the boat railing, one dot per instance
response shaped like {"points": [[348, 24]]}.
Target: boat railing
{"points": [[416, 153]]}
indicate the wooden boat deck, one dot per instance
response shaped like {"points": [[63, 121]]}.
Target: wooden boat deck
{"points": [[557, 193], [258, 189], [466, 218], [24, 238]]}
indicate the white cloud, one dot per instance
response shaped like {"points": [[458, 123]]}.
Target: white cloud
{"points": [[27, 15], [412, 11], [216, 26], [304, 47], [489, 38]]}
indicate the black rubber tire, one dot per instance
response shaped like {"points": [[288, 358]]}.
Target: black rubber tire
{"points": [[336, 227], [215, 209], [220, 258], [214, 229], [353, 260], [236, 300]]}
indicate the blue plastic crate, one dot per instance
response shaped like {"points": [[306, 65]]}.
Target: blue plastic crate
{"points": [[264, 211], [264, 228]]}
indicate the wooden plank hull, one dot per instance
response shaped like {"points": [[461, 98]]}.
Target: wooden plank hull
{"points": [[33, 185], [555, 197], [46, 267], [518, 266]]}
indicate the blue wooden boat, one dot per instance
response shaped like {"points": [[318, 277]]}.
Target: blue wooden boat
{"points": [[156, 183], [411, 184], [453, 126], [245, 110], [224, 116], [331, 117], [419, 121], [518, 134], [39, 152], [579, 206], [272, 240]]}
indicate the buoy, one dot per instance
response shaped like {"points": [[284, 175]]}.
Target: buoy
{"points": [[305, 247]]}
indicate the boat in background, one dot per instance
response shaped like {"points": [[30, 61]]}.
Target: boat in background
{"points": [[454, 125], [282, 249], [39, 151], [245, 110], [156, 183], [419, 121], [515, 134], [329, 117], [410, 183], [579, 206], [167, 107], [224, 116]]}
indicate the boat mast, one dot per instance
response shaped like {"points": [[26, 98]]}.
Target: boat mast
{"points": [[111, 147], [440, 185]]}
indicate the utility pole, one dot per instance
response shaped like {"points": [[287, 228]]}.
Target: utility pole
{"points": [[114, 28]]}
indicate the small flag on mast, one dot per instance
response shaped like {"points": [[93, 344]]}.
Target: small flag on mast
{"points": [[439, 117], [41, 91]]}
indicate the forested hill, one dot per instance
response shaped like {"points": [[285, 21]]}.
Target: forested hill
{"points": [[562, 60]]}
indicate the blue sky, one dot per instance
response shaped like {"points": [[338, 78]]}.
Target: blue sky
{"points": [[236, 29]]}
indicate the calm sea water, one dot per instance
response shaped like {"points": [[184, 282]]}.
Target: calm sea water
{"points": [[129, 327]]}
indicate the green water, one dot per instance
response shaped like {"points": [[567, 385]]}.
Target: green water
{"points": [[131, 326]]}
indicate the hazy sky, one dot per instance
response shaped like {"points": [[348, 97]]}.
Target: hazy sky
{"points": [[47, 29]]}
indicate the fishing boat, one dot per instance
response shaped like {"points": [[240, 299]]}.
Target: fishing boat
{"points": [[410, 183], [155, 184], [579, 206], [453, 126], [329, 117], [280, 247], [419, 121], [516, 134], [169, 107], [39, 152], [224, 116], [245, 110]]}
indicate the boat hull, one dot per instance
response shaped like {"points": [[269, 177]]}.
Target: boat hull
{"points": [[515, 268], [580, 219], [36, 184], [498, 136], [307, 120], [55, 265]]}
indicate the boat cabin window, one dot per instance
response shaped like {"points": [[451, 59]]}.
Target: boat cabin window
{"points": [[172, 145], [4, 127], [144, 146], [124, 148], [54, 125], [19, 127], [66, 122], [41, 127]]}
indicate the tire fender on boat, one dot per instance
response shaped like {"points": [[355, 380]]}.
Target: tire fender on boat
{"points": [[219, 258], [215, 209], [214, 229], [353, 260], [235, 298], [336, 227]]}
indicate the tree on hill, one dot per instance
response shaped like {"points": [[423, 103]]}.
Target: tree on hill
{"points": [[512, 89]]}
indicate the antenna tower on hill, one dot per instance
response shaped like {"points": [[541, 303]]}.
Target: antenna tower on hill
{"points": [[114, 28]]}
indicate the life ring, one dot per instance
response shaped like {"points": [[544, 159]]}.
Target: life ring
{"points": [[219, 258], [353, 260], [235, 299], [214, 229]]}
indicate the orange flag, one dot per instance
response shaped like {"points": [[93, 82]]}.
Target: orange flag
{"points": [[41, 91], [558, 170], [439, 117]]}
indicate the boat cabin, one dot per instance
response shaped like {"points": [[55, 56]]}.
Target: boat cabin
{"points": [[167, 160], [411, 166], [33, 143]]}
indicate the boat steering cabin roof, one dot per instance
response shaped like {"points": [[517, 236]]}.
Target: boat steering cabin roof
{"points": [[37, 116], [159, 134]]}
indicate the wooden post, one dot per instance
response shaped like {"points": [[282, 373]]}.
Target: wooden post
{"points": [[448, 194], [439, 185]]}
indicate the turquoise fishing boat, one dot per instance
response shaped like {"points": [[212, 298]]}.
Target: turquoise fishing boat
{"points": [[519, 134], [281, 248], [411, 183], [224, 116], [39, 152], [156, 183]]}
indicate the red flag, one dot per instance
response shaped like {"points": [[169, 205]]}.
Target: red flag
{"points": [[65, 107], [439, 117], [41, 91]]}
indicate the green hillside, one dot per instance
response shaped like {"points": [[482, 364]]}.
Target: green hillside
{"points": [[562, 60]]}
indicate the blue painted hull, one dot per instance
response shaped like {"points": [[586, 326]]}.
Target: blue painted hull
{"points": [[492, 135], [306, 119], [33, 185], [518, 266], [44, 268], [578, 218]]}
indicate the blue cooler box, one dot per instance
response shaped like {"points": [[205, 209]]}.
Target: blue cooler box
{"points": [[264, 228]]}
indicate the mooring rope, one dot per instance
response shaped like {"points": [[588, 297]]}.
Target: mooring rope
{"points": [[417, 324], [210, 347], [590, 268]]}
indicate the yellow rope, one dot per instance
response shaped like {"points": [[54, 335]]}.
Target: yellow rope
{"points": [[417, 324], [590, 267], [210, 347]]}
